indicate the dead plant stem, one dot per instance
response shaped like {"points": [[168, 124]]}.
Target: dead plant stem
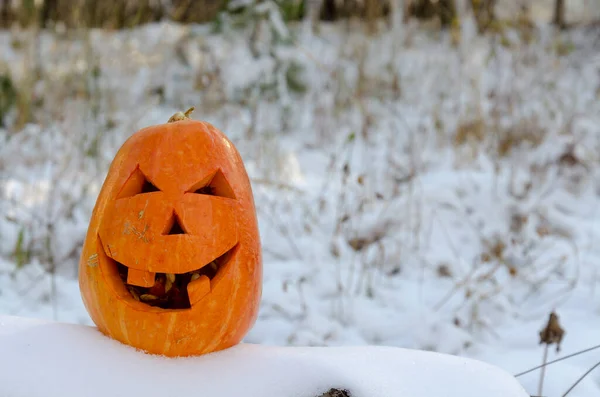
{"points": [[541, 383], [581, 378], [557, 360]]}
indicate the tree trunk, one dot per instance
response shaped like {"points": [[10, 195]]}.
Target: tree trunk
{"points": [[559, 13], [311, 15], [444, 10], [484, 11]]}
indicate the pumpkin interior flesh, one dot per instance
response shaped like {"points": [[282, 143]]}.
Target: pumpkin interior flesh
{"points": [[170, 291]]}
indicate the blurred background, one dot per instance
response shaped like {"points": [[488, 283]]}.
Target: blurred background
{"points": [[426, 172]]}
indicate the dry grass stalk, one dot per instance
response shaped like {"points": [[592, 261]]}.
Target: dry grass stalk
{"points": [[552, 333]]}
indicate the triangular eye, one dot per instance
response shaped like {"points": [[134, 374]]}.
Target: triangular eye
{"points": [[205, 190], [148, 187], [214, 185], [174, 226], [137, 183]]}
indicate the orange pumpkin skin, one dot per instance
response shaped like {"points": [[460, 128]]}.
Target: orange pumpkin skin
{"points": [[130, 227]]}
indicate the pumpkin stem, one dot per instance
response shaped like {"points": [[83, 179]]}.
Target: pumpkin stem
{"points": [[181, 115]]}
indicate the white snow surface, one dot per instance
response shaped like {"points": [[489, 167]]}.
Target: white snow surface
{"points": [[395, 147], [55, 359]]}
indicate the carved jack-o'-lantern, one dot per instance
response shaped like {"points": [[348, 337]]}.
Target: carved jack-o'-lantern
{"points": [[172, 262]]}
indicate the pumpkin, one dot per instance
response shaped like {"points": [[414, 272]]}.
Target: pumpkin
{"points": [[171, 263]]}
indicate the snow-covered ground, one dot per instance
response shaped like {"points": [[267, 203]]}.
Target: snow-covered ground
{"points": [[410, 193], [59, 355]]}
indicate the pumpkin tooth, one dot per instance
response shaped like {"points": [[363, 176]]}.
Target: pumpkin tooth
{"points": [[140, 278], [198, 288], [195, 276]]}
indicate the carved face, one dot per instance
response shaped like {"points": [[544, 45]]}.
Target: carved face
{"points": [[172, 262]]}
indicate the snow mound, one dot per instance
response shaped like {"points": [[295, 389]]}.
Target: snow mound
{"points": [[41, 358]]}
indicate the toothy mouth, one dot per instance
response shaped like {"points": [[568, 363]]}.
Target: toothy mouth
{"points": [[172, 291], [169, 290]]}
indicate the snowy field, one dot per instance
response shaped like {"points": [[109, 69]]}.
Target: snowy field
{"points": [[410, 192]]}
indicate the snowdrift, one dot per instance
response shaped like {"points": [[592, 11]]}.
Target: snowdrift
{"points": [[45, 359]]}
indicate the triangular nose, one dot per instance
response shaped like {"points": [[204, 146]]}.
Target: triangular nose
{"points": [[175, 226]]}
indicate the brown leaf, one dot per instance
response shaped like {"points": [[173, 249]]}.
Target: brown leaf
{"points": [[542, 231], [553, 332], [358, 243], [444, 271], [346, 169], [334, 250]]}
